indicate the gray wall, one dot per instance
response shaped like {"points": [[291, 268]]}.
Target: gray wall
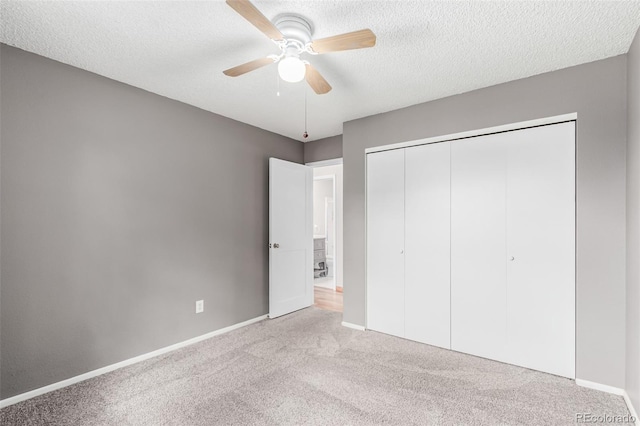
{"points": [[597, 92], [120, 209], [323, 149], [633, 224]]}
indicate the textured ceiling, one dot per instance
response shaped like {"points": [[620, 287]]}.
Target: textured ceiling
{"points": [[425, 50]]}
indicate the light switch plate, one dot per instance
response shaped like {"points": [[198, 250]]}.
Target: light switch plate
{"points": [[199, 306]]}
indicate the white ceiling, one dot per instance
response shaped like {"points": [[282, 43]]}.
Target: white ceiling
{"points": [[425, 50]]}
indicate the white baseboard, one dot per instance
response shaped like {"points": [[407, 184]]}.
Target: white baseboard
{"points": [[100, 371], [600, 387], [354, 326], [612, 390], [631, 408]]}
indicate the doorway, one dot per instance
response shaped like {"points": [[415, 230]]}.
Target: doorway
{"points": [[327, 234]]}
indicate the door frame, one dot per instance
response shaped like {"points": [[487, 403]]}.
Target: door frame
{"points": [[334, 233], [325, 163]]}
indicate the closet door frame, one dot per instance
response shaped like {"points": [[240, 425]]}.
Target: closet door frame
{"points": [[470, 134]]}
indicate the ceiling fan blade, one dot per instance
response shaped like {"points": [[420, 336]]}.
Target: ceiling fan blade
{"points": [[316, 81], [249, 66], [354, 40], [256, 18]]}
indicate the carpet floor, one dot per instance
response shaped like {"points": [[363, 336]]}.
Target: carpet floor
{"points": [[306, 369]]}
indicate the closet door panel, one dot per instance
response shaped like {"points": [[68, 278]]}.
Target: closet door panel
{"points": [[427, 255], [478, 249], [385, 242], [541, 249]]}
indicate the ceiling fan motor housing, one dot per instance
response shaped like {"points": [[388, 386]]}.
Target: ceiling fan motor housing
{"points": [[297, 33]]}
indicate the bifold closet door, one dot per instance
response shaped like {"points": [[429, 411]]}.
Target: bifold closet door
{"points": [[478, 246], [385, 242], [541, 249], [513, 247], [427, 226]]}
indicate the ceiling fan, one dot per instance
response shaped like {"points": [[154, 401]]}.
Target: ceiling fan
{"points": [[292, 34]]}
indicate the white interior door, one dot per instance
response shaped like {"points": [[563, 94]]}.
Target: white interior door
{"points": [[478, 249], [541, 249], [427, 255], [385, 242], [290, 237]]}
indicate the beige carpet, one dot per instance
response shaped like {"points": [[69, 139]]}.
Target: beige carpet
{"points": [[305, 368]]}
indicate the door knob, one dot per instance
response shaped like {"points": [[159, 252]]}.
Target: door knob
{"points": [[512, 258], [276, 245], [401, 251]]}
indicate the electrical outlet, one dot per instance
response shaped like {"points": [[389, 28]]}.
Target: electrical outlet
{"points": [[199, 306]]}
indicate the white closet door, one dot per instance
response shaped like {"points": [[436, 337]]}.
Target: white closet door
{"points": [[385, 242], [541, 253], [478, 249], [427, 256]]}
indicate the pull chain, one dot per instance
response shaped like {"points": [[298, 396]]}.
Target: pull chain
{"points": [[305, 134], [277, 83]]}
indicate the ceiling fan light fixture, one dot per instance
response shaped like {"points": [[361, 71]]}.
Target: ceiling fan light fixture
{"points": [[291, 69], [292, 35]]}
